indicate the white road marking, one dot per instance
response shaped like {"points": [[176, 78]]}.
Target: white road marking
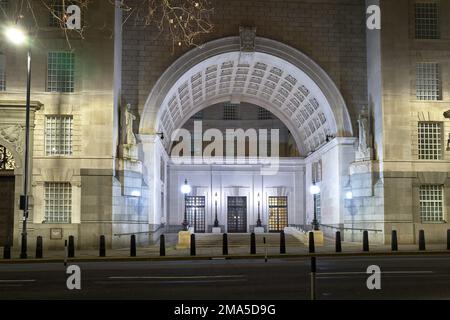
{"points": [[176, 277], [383, 272], [12, 281]]}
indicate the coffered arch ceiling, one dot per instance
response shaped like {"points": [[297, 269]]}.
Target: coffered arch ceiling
{"points": [[275, 77]]}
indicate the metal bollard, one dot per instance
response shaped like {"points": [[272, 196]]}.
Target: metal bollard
{"points": [[421, 240], [225, 244], [162, 246], [394, 241], [102, 251], [313, 278], [338, 242], [71, 248], [252, 243], [193, 250], [133, 246], [312, 247], [39, 247], [448, 239], [282, 243], [366, 241]]}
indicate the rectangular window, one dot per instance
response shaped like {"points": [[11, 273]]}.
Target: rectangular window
{"points": [[58, 202], [430, 140], [432, 203], [427, 20], [2, 72], [318, 207], [60, 72], [264, 114], [230, 112], [58, 135], [278, 214], [428, 81]]}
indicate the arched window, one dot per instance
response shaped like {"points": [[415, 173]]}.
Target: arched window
{"points": [[6, 159]]}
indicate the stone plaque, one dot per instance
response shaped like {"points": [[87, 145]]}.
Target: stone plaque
{"points": [[56, 233]]}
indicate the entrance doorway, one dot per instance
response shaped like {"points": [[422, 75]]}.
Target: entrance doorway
{"points": [[278, 215], [7, 183], [237, 214], [195, 209]]}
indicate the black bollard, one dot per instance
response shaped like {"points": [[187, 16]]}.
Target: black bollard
{"points": [[133, 246], [71, 249], [421, 240], [162, 246], [394, 241], [366, 241], [338, 242], [102, 251], [312, 246], [448, 239], [252, 243], [313, 277], [282, 243], [7, 251], [193, 251], [39, 247], [225, 244]]}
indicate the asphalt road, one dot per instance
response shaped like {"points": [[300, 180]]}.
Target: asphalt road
{"points": [[403, 277]]}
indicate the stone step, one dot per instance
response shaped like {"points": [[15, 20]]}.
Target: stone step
{"points": [[236, 239]]}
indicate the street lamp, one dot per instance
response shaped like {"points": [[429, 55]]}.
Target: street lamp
{"points": [[216, 221], [185, 189], [315, 190], [18, 37], [258, 222]]}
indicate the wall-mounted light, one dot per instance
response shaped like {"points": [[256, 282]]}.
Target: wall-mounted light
{"points": [[314, 189], [349, 195]]}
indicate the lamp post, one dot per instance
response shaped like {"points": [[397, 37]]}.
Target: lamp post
{"points": [[258, 222], [18, 37], [315, 190], [185, 189], [216, 221]]}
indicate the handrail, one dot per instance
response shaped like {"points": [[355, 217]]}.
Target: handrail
{"points": [[344, 228], [141, 232]]}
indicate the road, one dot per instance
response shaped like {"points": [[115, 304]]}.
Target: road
{"points": [[403, 277]]}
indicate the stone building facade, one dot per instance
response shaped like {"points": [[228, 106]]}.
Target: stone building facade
{"points": [[364, 107]]}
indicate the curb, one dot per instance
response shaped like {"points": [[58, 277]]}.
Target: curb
{"points": [[220, 257]]}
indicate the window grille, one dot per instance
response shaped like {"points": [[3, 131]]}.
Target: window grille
{"points": [[430, 140], [432, 203], [58, 202], [58, 135]]}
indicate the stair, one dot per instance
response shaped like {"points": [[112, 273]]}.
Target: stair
{"points": [[207, 240]]}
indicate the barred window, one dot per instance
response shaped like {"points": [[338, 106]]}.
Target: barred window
{"points": [[198, 116], [427, 20], [3, 7], [428, 81], [58, 135], [430, 140], [58, 202], [60, 72], [432, 203], [264, 114], [230, 112], [2, 72]]}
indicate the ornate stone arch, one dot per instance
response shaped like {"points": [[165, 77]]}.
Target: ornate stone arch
{"points": [[276, 77]]}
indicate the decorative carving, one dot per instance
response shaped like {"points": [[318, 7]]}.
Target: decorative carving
{"points": [[14, 135], [6, 159], [248, 35], [364, 151]]}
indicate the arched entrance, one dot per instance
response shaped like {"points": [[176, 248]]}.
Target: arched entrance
{"points": [[276, 77]]}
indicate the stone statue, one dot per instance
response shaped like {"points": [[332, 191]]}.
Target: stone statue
{"points": [[129, 119], [364, 144]]}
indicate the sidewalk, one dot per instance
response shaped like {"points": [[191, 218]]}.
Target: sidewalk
{"points": [[152, 252]]}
